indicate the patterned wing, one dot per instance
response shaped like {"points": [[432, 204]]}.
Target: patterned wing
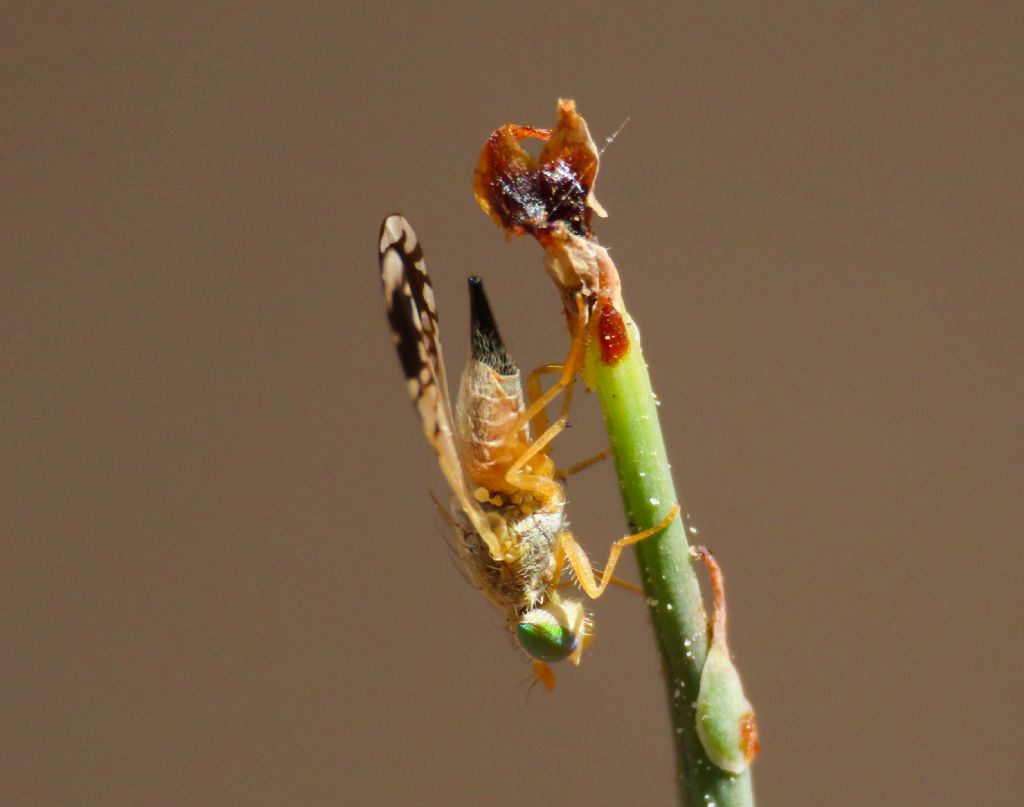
{"points": [[412, 315]]}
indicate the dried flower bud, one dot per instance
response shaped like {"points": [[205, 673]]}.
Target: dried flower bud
{"points": [[524, 195]]}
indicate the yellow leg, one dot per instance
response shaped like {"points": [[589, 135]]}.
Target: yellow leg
{"points": [[577, 558], [571, 368], [615, 581], [560, 560], [582, 466], [542, 486], [539, 424], [626, 585]]}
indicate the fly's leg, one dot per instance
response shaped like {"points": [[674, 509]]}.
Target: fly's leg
{"points": [[577, 558], [582, 466], [570, 369], [614, 581], [545, 487], [539, 422], [560, 561]]}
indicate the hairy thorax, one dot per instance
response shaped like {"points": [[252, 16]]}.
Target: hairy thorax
{"points": [[518, 582]]}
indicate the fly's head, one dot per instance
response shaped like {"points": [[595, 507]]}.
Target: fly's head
{"points": [[557, 630]]}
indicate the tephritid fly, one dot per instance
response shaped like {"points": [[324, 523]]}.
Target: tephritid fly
{"points": [[508, 505]]}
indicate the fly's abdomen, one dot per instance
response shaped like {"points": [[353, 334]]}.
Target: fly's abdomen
{"points": [[486, 412]]}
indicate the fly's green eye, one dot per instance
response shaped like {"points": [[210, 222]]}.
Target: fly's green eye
{"points": [[553, 631], [546, 642]]}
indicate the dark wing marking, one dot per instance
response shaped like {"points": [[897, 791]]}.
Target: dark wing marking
{"points": [[412, 315]]}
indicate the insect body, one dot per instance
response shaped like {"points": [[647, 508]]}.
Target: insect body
{"points": [[508, 507]]}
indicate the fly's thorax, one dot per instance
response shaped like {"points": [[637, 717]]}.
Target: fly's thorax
{"points": [[488, 406], [523, 523], [533, 535], [536, 531], [522, 577]]}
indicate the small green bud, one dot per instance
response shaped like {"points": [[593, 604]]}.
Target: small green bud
{"points": [[725, 719], [726, 724]]}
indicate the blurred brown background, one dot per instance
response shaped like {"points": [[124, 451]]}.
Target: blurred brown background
{"points": [[223, 580]]}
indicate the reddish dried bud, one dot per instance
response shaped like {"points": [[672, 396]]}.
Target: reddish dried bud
{"points": [[524, 195]]}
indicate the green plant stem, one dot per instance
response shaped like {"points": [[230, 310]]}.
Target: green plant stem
{"points": [[669, 581]]}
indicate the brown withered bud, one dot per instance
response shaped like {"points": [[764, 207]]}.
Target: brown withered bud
{"points": [[524, 195]]}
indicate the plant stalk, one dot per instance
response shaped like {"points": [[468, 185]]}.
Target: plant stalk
{"points": [[669, 580]]}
